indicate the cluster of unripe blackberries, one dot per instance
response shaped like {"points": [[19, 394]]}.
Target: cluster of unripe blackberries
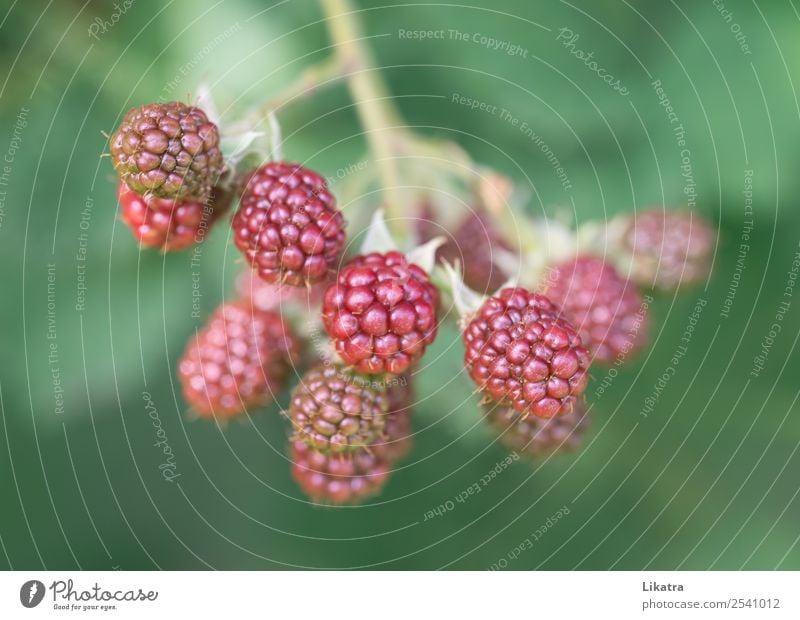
{"points": [[528, 352]]}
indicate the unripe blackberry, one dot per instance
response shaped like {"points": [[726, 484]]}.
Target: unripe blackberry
{"points": [[167, 224], [669, 249], [522, 353], [539, 437], [288, 226], [337, 478], [396, 442], [238, 361], [606, 309], [473, 244], [170, 150], [266, 296], [381, 313], [334, 410]]}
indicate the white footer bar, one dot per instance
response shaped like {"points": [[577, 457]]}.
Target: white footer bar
{"points": [[401, 595]]}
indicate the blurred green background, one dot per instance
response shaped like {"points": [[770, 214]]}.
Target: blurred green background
{"points": [[707, 480]]}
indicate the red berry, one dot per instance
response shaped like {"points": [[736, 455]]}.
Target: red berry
{"points": [[669, 249], [396, 443], [381, 313], [238, 361], [170, 150], [522, 353], [168, 224], [266, 296], [606, 309], [337, 478], [334, 410], [539, 437], [288, 226], [473, 244]]}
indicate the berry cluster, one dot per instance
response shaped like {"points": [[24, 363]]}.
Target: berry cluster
{"points": [[528, 350]]}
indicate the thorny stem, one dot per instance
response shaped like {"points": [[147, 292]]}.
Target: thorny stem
{"points": [[373, 103]]}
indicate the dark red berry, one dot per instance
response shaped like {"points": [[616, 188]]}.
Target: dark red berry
{"points": [[170, 150], [237, 362], [606, 309], [288, 226], [167, 224], [473, 244], [335, 410], [669, 249], [337, 478], [381, 313], [539, 437], [522, 353]]}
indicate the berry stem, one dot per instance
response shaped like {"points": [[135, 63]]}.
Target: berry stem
{"points": [[378, 116], [326, 73]]}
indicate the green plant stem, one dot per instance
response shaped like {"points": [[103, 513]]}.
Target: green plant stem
{"points": [[378, 116], [327, 73]]}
